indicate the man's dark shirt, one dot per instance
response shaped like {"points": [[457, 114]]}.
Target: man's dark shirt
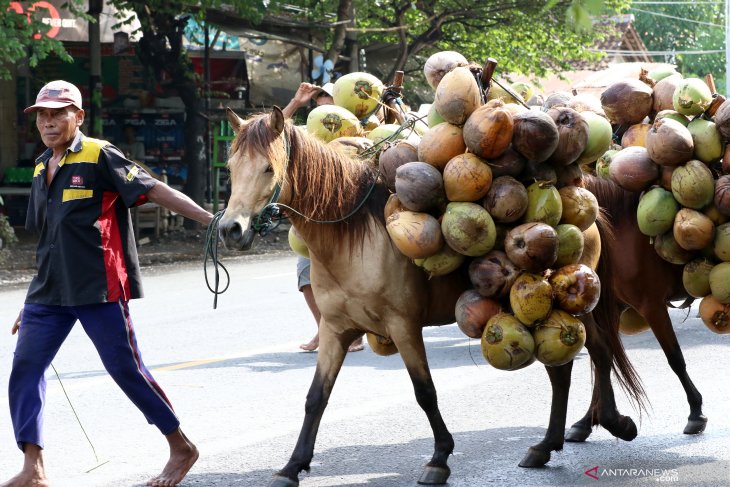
{"points": [[86, 252]]}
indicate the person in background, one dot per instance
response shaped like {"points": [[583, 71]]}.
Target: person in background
{"points": [[88, 271], [132, 148], [322, 96]]}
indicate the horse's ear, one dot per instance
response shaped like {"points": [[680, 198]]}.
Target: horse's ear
{"points": [[234, 119], [276, 121]]}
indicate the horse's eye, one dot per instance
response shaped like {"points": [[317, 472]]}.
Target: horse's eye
{"points": [[269, 168]]}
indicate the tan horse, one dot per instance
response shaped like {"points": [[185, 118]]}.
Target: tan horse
{"points": [[361, 281]]}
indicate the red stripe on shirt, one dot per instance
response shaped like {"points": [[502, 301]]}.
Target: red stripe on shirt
{"points": [[117, 280]]}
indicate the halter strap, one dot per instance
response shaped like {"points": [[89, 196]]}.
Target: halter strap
{"points": [[264, 222]]}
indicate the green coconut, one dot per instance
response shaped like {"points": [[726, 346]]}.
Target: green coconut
{"points": [[707, 140], [696, 277], [524, 89], [668, 249], [600, 135], [570, 244], [296, 243], [544, 204], [721, 246], [656, 212], [328, 122], [506, 343], [442, 262], [468, 228], [659, 74], [692, 97], [387, 131], [603, 163], [559, 338], [673, 115], [358, 92], [433, 117], [720, 282], [693, 185], [531, 298]]}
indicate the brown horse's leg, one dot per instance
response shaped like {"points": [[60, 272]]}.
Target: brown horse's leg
{"points": [[410, 345], [581, 429], [332, 350], [538, 455], [661, 326]]}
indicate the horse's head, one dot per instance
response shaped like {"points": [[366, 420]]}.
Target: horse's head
{"points": [[256, 162]]}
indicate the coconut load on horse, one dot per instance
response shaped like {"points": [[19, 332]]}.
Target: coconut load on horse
{"points": [[364, 281]]}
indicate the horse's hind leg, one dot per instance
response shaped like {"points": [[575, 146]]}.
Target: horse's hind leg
{"points": [[661, 326], [581, 429], [332, 352], [412, 351], [538, 455]]}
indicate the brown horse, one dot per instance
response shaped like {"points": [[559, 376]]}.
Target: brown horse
{"points": [[644, 281], [364, 284]]}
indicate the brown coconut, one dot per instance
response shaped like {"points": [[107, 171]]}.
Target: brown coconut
{"points": [[722, 120], [635, 135], [668, 249], [580, 207], [532, 246], [493, 274], [632, 169], [440, 144], [572, 135], [392, 157], [586, 102], [535, 135], [457, 95], [722, 195], [416, 235], [420, 186], [488, 131], [467, 178], [506, 200], [440, 63], [693, 230], [473, 311], [669, 142], [393, 205], [570, 175], [627, 102], [715, 315], [510, 163], [664, 91]]}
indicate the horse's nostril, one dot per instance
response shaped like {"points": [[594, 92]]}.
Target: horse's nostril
{"points": [[235, 232]]}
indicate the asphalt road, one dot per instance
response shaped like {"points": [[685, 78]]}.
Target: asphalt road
{"points": [[238, 382]]}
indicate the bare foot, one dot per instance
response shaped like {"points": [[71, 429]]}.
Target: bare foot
{"points": [[27, 479], [312, 345], [183, 455], [356, 346]]}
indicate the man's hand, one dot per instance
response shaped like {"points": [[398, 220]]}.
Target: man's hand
{"points": [[305, 92], [16, 325]]}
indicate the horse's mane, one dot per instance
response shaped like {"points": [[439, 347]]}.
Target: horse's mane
{"points": [[326, 185]]}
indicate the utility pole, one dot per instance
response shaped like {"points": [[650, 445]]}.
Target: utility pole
{"points": [[95, 8], [727, 48]]}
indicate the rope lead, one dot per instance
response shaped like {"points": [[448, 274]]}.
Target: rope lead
{"points": [[211, 251]]}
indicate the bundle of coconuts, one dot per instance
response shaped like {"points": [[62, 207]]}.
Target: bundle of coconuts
{"points": [[674, 151], [494, 185]]}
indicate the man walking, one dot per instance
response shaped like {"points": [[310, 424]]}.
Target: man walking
{"points": [[88, 270]]}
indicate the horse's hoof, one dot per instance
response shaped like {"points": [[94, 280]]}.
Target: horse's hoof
{"points": [[281, 481], [434, 475], [696, 426], [577, 434], [535, 458]]}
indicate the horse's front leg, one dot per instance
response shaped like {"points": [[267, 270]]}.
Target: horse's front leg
{"points": [[538, 455], [331, 355], [409, 341]]}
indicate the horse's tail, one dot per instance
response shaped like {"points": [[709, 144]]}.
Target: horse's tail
{"points": [[607, 314]]}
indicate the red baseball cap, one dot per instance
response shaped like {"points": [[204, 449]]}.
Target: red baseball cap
{"points": [[56, 94]]}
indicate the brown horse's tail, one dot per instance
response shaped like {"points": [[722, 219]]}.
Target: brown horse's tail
{"points": [[607, 314]]}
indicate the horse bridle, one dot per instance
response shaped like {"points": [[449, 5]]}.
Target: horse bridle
{"points": [[264, 221]]}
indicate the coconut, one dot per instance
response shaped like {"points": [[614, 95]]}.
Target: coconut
{"points": [[692, 96], [440, 63], [507, 344], [297, 244], [633, 169], [693, 230], [488, 131], [674, 115], [393, 205], [726, 160], [442, 262], [586, 102], [539, 172], [381, 345], [387, 132], [656, 212], [358, 92], [576, 288], [433, 117], [328, 122], [664, 92], [544, 204], [580, 207], [570, 175], [715, 315], [468, 228], [721, 247], [659, 74], [535, 135], [419, 186], [632, 323], [635, 135], [496, 92], [603, 163], [720, 282], [351, 146], [627, 102], [524, 89], [600, 135], [714, 214], [570, 244], [493, 274], [721, 197], [557, 99], [416, 235], [572, 135], [510, 163], [696, 277], [531, 298], [392, 157], [532, 246], [693, 185], [467, 178], [559, 338], [722, 119], [668, 249], [506, 200], [457, 95], [707, 141], [665, 177], [440, 144], [669, 142], [473, 311]]}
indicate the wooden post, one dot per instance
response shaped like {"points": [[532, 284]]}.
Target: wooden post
{"points": [[392, 111], [717, 98]]}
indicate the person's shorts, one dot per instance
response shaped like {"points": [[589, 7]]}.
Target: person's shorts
{"points": [[303, 272]]}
